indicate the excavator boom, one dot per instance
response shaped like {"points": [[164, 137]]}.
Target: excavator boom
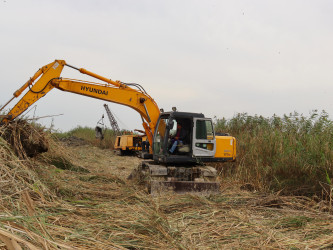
{"points": [[48, 77]]}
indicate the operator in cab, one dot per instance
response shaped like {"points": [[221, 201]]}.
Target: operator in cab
{"points": [[178, 138]]}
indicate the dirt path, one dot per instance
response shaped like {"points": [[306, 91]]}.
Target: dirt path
{"points": [[101, 210]]}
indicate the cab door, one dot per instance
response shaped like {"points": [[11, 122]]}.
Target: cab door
{"points": [[204, 143]]}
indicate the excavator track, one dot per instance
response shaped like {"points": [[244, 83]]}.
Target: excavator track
{"points": [[161, 179]]}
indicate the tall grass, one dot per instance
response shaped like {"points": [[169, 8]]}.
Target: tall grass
{"points": [[293, 153]]}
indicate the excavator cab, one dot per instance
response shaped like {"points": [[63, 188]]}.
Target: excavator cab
{"points": [[196, 142]]}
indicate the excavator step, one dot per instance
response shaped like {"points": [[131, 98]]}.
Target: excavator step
{"points": [[159, 187]]}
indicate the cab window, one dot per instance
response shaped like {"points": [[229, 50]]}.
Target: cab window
{"points": [[204, 130]]}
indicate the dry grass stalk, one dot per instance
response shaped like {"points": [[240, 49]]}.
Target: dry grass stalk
{"points": [[12, 241]]}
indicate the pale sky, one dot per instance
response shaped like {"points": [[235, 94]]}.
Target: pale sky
{"points": [[218, 58]]}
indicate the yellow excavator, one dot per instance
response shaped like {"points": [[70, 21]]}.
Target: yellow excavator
{"points": [[178, 167], [131, 144], [126, 142]]}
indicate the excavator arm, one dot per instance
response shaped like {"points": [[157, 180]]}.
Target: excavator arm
{"points": [[36, 91], [48, 77]]}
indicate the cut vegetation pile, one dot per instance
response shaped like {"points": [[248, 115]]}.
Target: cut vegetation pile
{"points": [[26, 140], [78, 196]]}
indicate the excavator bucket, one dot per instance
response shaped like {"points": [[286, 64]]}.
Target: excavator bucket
{"points": [[161, 179]]}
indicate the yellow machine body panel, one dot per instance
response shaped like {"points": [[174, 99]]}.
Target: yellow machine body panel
{"points": [[225, 147]]}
